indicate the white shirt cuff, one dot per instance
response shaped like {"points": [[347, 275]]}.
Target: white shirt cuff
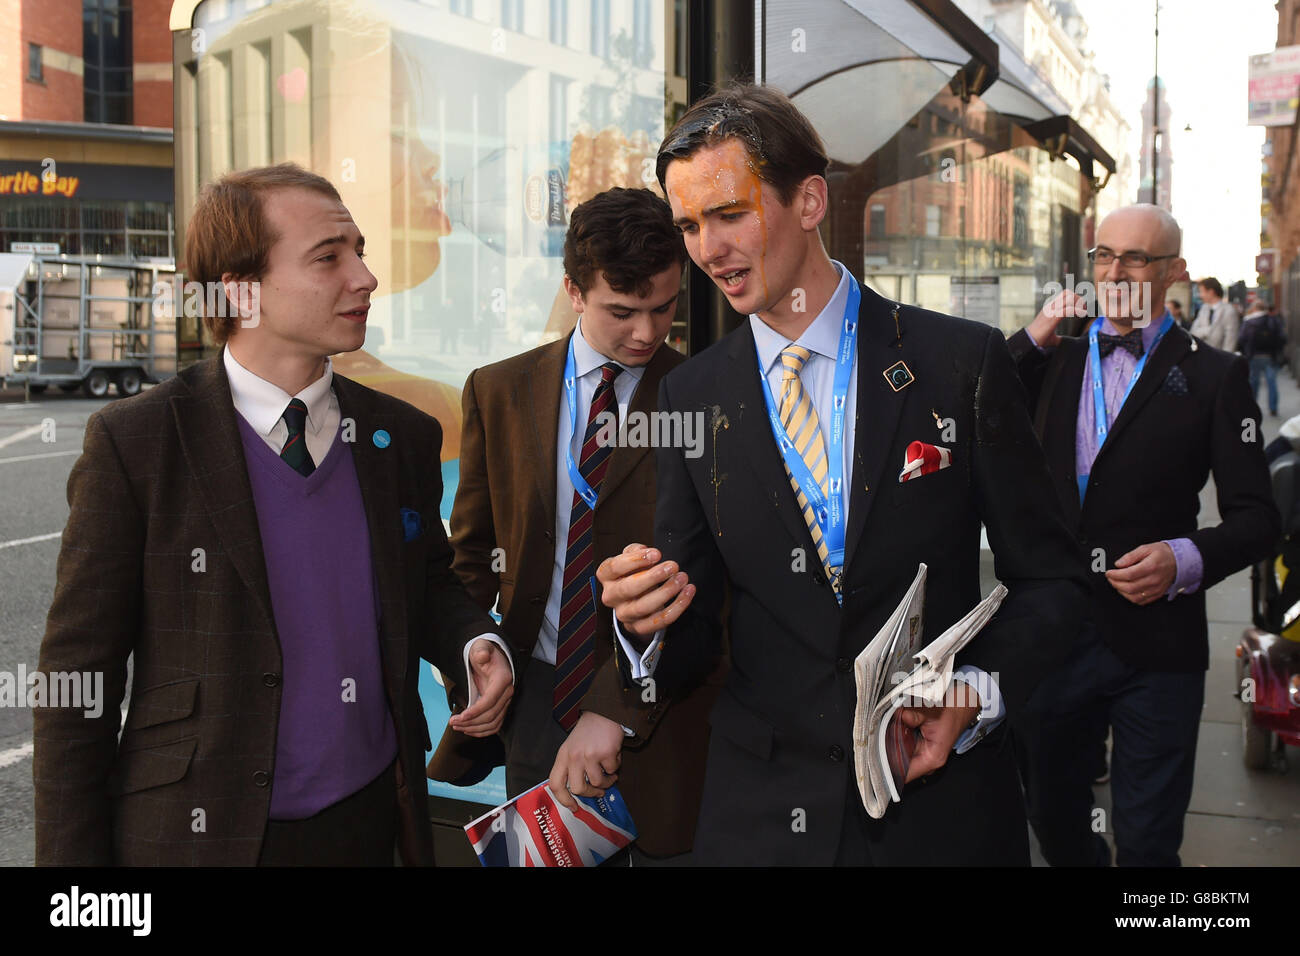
{"points": [[471, 690], [992, 710], [641, 665]]}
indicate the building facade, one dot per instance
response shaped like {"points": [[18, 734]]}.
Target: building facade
{"points": [[85, 128], [1052, 37], [1279, 238]]}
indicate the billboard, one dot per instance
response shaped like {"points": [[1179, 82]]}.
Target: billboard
{"points": [[1274, 87]]}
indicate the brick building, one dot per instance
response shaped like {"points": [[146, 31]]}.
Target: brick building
{"points": [[86, 127]]}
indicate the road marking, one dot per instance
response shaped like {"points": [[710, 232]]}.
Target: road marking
{"points": [[20, 435], [40, 537], [48, 454], [17, 405], [8, 757]]}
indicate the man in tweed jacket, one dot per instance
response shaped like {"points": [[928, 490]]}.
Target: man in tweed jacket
{"points": [[262, 536]]}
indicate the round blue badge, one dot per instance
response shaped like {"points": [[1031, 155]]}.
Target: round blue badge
{"points": [[381, 439]]}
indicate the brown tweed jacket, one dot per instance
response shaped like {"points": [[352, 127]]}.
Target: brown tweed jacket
{"points": [[162, 475], [506, 499]]}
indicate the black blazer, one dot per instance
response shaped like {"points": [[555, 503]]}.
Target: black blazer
{"points": [[781, 749], [1190, 413], [164, 473]]}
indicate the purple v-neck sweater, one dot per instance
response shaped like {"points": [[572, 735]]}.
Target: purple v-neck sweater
{"points": [[336, 733]]}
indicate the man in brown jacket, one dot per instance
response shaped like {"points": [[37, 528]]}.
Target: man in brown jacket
{"points": [[546, 433], [261, 536]]}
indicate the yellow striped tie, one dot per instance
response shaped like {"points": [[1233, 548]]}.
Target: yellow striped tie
{"points": [[801, 424]]}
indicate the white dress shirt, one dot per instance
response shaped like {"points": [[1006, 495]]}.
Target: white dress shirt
{"points": [[262, 405], [586, 369], [822, 339]]}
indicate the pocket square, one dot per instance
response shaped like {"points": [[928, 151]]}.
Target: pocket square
{"points": [[412, 524], [922, 459], [1175, 382]]}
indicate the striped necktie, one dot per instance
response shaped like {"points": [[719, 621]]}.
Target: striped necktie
{"points": [[575, 649], [295, 446], [801, 424]]}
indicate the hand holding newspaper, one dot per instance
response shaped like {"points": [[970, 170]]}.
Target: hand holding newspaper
{"points": [[895, 671]]}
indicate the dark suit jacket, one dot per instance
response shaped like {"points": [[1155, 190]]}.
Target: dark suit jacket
{"points": [[1190, 413], [782, 727], [506, 499], [162, 474]]}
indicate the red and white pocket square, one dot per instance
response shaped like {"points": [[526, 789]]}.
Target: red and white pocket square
{"points": [[922, 459]]}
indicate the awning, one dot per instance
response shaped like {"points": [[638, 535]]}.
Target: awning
{"points": [[1025, 97], [891, 58], [1020, 93], [1061, 134]]}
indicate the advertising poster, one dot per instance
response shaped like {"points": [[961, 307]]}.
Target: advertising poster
{"points": [[1274, 87]]}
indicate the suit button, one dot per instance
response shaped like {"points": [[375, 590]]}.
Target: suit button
{"points": [[535, 600], [261, 778], [836, 753], [819, 579], [653, 715], [271, 680], [843, 665]]}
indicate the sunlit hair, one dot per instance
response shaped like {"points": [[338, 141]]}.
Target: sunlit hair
{"points": [[626, 235], [228, 231]]}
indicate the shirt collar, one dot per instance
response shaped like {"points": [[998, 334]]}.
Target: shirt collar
{"points": [[1148, 334], [262, 404], [822, 336], [586, 359]]}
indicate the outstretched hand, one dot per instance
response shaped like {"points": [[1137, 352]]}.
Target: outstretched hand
{"points": [[494, 686]]}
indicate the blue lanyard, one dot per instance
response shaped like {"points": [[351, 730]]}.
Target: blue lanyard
{"points": [[828, 509], [580, 485], [1098, 391]]}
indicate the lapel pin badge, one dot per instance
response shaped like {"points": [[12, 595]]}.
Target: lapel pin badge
{"points": [[381, 438], [899, 376]]}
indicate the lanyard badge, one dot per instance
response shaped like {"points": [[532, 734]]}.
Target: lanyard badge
{"points": [[828, 507], [1102, 420]]}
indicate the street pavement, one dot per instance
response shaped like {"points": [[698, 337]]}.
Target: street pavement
{"points": [[1237, 817]]}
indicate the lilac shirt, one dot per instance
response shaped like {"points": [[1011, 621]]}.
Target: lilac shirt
{"points": [[1116, 371]]}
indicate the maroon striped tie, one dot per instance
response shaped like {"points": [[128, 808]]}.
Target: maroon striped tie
{"points": [[574, 654]]}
